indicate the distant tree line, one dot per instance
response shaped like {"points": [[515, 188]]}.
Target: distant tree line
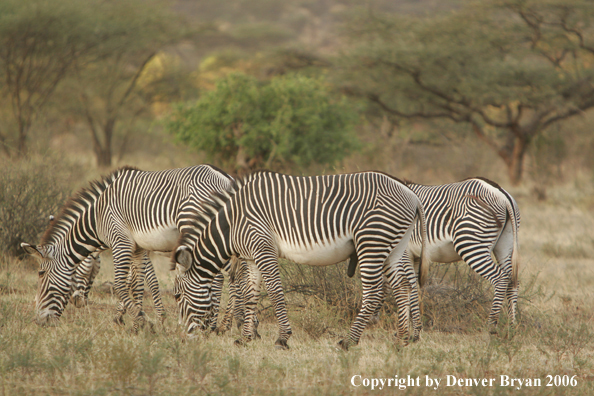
{"points": [[505, 70], [98, 48]]}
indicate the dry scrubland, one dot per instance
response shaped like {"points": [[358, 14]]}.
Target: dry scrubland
{"points": [[87, 354]]}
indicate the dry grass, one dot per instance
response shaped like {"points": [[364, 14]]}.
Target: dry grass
{"points": [[89, 355]]}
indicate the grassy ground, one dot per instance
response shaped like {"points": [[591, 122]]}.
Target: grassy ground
{"points": [[87, 354]]}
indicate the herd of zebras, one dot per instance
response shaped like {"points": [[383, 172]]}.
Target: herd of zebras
{"points": [[213, 223]]}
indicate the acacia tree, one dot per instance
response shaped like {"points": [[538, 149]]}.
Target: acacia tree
{"points": [[107, 80], [290, 121], [39, 43], [509, 68]]}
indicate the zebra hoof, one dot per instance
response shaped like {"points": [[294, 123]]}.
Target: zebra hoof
{"points": [[281, 344], [119, 320], [344, 345], [240, 342], [257, 336], [493, 330], [151, 327], [79, 300]]}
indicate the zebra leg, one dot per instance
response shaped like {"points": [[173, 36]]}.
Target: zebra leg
{"points": [[123, 258], [374, 255], [409, 270], [216, 293], [373, 295], [267, 262], [396, 277], [476, 236], [247, 284], [503, 253], [249, 279], [374, 319], [131, 281], [131, 285], [228, 317], [153, 284], [140, 260], [478, 256], [81, 280], [92, 276]]}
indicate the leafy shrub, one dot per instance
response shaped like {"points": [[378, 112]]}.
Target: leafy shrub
{"points": [[291, 121], [30, 191]]}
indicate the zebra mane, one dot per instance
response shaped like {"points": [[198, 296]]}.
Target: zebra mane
{"points": [[78, 203], [490, 182]]}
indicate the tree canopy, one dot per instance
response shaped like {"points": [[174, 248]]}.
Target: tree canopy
{"points": [[39, 44], [291, 120], [508, 68]]}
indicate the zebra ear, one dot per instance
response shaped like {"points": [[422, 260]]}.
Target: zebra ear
{"points": [[36, 251], [183, 258]]}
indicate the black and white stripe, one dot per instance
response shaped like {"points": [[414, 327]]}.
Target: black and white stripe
{"points": [[470, 220], [309, 220], [130, 211]]}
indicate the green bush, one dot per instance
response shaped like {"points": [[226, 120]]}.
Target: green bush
{"points": [[30, 191], [292, 121]]}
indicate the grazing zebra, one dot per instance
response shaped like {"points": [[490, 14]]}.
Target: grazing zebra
{"points": [[129, 211], [469, 220], [87, 270], [309, 220]]}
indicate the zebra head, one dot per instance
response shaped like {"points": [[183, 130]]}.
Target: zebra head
{"points": [[192, 292], [54, 285]]}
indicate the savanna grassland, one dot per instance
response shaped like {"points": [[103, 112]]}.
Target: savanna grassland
{"points": [[87, 354]]}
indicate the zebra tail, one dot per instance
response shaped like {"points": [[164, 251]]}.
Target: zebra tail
{"points": [[515, 259], [424, 263]]}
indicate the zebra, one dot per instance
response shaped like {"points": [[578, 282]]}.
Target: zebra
{"points": [[317, 220], [469, 220], [129, 211]]}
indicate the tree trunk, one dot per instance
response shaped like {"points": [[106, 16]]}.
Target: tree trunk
{"points": [[241, 164], [103, 151], [103, 157], [22, 142], [513, 156]]}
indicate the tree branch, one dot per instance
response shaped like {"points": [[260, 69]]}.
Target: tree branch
{"points": [[132, 84]]}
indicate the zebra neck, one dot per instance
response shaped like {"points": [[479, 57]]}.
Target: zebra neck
{"points": [[78, 238], [214, 245]]}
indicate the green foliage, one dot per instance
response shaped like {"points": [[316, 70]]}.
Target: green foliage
{"points": [[293, 120], [30, 191]]}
